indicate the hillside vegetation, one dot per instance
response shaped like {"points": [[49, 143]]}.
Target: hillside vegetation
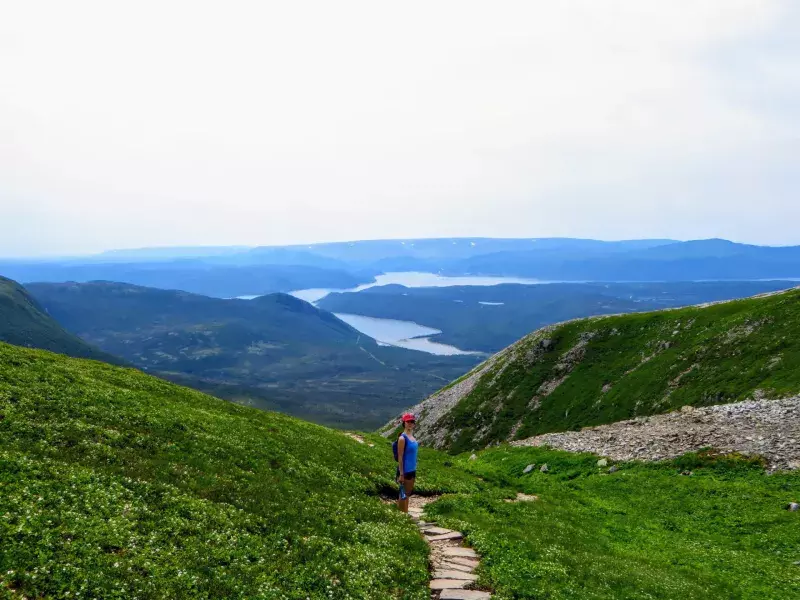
{"points": [[118, 485], [115, 484], [275, 352], [23, 322], [642, 532], [607, 369]]}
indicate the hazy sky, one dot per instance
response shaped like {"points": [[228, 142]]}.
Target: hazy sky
{"points": [[174, 123]]}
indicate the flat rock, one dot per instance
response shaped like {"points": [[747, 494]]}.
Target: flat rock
{"points": [[448, 584], [451, 566], [528, 469], [453, 535], [460, 575], [437, 531], [464, 595], [463, 561], [456, 551]]}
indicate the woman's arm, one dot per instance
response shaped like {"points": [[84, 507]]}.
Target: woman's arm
{"points": [[401, 448]]}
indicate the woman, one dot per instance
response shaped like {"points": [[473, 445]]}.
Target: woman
{"points": [[407, 447]]}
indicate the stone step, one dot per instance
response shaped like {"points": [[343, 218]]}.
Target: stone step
{"points": [[448, 584], [464, 561], [464, 595], [437, 531], [456, 551], [453, 535], [451, 566], [445, 574]]}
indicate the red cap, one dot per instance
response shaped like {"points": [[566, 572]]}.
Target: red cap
{"points": [[408, 417]]}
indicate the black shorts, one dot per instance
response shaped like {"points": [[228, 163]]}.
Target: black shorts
{"points": [[409, 475]]}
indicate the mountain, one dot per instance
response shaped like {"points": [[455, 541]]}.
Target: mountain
{"points": [[190, 275], [681, 261], [599, 370], [166, 253], [23, 322], [275, 351], [509, 311]]}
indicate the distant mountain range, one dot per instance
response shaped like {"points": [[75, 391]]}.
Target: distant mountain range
{"points": [[237, 271], [191, 275]]}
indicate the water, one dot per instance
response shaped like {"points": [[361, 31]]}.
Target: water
{"points": [[413, 279], [404, 334]]}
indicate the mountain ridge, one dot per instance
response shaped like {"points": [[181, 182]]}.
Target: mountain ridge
{"points": [[599, 370], [23, 322]]}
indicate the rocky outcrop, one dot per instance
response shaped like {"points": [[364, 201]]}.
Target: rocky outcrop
{"points": [[768, 428]]}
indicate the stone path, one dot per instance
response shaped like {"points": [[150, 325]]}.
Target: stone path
{"points": [[453, 563]]}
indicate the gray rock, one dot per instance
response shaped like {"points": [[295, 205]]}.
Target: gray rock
{"points": [[544, 468], [793, 507], [474, 457], [751, 427], [613, 469], [528, 469], [602, 462]]}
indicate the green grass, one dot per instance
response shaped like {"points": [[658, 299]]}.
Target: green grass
{"points": [[115, 484], [644, 532], [632, 365]]}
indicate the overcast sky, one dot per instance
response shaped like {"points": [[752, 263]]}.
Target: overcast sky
{"points": [[179, 123]]}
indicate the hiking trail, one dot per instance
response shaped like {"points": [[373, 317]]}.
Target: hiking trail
{"points": [[453, 563]]}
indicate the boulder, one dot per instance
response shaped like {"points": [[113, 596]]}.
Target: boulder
{"points": [[473, 457], [793, 507], [613, 469], [528, 469], [544, 468], [602, 462]]}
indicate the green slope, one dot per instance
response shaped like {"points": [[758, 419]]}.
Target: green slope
{"points": [[644, 532], [115, 484], [606, 369], [275, 352], [24, 323]]}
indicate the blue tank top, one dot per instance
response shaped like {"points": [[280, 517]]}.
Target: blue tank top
{"points": [[410, 455]]}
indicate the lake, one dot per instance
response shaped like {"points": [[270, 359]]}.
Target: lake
{"points": [[413, 279], [404, 334]]}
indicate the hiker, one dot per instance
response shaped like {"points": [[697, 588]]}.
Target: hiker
{"points": [[407, 447]]}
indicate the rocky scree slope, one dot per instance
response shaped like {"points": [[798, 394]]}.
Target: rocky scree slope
{"points": [[601, 370]]}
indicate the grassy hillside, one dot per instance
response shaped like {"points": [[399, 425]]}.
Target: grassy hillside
{"points": [[24, 323], [643, 532], [606, 369], [115, 484], [509, 311], [276, 352]]}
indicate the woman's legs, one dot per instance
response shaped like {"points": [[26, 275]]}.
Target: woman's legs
{"points": [[409, 489]]}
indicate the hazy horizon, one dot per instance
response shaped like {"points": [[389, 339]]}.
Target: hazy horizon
{"points": [[179, 123]]}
